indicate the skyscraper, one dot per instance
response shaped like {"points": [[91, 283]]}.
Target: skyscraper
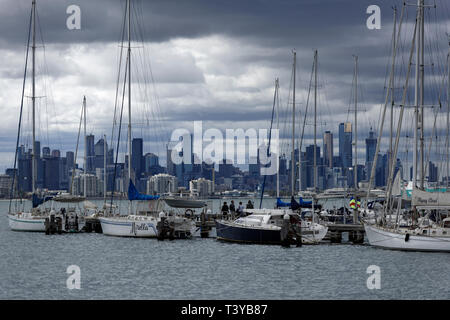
{"points": [[136, 156], [100, 153], [90, 167], [345, 144], [371, 146], [328, 149]]}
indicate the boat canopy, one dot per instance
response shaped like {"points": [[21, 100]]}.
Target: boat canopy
{"points": [[68, 198], [133, 194], [184, 203], [38, 201]]}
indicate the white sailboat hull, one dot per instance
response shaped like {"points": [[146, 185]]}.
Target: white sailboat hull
{"points": [[26, 222], [123, 227], [388, 239]]}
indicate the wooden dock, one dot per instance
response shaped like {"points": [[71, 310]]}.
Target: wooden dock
{"points": [[334, 235], [355, 232]]}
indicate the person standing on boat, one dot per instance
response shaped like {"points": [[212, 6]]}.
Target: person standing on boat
{"points": [[249, 205], [240, 209], [225, 210], [232, 209]]}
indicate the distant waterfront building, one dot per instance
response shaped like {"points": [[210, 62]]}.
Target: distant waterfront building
{"points": [[162, 183], [5, 185], [92, 185], [201, 186]]}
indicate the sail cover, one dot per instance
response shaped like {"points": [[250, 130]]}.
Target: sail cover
{"points": [[133, 194], [38, 201]]}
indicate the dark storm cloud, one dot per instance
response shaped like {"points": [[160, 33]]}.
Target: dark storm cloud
{"points": [[296, 22], [259, 34]]}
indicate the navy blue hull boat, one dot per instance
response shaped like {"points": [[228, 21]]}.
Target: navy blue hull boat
{"points": [[230, 231]]}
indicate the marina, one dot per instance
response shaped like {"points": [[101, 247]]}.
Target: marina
{"points": [[128, 268], [271, 211]]}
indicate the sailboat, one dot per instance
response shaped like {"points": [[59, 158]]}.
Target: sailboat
{"points": [[33, 220], [149, 208], [264, 226], [424, 234]]}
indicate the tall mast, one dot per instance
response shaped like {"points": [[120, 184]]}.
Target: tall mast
{"points": [[293, 133], [421, 62], [278, 126], [391, 161], [315, 120], [448, 112], [416, 94], [355, 173], [85, 149], [104, 166], [129, 97], [33, 99]]}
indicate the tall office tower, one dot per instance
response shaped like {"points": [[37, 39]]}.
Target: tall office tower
{"points": [[70, 156], [37, 146], [90, 166], [345, 144], [136, 156], [371, 147], [328, 149], [169, 162], [99, 150]]}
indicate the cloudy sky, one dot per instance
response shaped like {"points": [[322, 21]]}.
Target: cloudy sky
{"points": [[209, 60]]}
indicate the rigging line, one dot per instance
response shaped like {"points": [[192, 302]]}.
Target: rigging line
{"points": [[270, 137], [373, 166], [20, 117], [76, 153], [306, 112], [45, 80], [399, 126], [119, 132], [118, 80], [434, 124]]}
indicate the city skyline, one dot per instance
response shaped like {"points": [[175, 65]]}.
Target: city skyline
{"points": [[188, 62]]}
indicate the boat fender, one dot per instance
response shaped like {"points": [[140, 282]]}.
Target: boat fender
{"points": [[407, 237]]}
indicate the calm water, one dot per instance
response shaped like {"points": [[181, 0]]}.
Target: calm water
{"points": [[33, 266]]}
